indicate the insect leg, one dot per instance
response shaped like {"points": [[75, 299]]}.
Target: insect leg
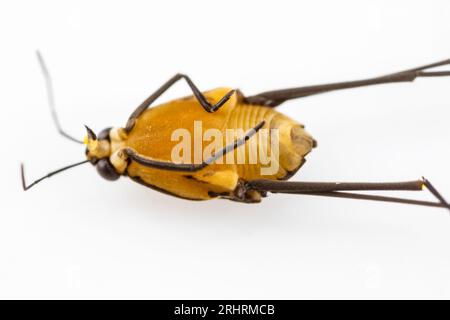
{"points": [[358, 196], [166, 165], [276, 97], [334, 189], [200, 97]]}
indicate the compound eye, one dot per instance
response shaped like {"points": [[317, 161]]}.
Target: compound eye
{"points": [[104, 134], [106, 170]]}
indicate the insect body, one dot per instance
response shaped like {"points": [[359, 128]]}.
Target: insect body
{"points": [[151, 134], [144, 149]]}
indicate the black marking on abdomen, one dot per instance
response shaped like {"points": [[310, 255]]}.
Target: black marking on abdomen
{"points": [[213, 194], [151, 186]]}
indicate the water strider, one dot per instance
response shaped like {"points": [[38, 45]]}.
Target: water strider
{"points": [[142, 149]]}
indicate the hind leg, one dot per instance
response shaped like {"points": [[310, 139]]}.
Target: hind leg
{"points": [[275, 98], [337, 189]]}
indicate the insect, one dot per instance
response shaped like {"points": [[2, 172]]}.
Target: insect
{"points": [[142, 149]]}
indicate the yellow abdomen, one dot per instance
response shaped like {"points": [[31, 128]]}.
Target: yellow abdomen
{"points": [[294, 142]]}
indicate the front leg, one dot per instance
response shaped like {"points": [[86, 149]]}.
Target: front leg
{"points": [[129, 153], [198, 95]]}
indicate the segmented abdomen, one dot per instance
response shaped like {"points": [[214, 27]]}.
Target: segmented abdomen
{"points": [[294, 142]]}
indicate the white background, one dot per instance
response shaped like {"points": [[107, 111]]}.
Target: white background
{"points": [[79, 236]]}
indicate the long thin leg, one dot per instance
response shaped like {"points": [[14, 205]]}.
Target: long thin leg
{"points": [[297, 186], [276, 97], [358, 196], [200, 97], [334, 189], [165, 165], [51, 99]]}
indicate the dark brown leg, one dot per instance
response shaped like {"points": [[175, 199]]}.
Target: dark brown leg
{"points": [[200, 97], [333, 189], [165, 165], [358, 196], [276, 97], [294, 186]]}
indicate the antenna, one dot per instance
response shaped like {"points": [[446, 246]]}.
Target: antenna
{"points": [[26, 187], [51, 99]]}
